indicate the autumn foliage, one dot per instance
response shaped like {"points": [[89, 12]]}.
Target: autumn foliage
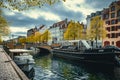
{"points": [[96, 31], [4, 28], [74, 31], [37, 37], [25, 4]]}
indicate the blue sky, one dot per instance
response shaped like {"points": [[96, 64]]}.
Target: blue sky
{"points": [[76, 10]]}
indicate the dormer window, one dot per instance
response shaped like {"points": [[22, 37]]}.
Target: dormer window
{"points": [[113, 8]]}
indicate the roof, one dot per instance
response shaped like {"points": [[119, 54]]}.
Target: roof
{"points": [[106, 10], [115, 2], [41, 26], [59, 23]]}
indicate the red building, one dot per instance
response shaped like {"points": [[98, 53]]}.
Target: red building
{"points": [[111, 17]]}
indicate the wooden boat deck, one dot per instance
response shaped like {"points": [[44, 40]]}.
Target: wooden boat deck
{"points": [[8, 69]]}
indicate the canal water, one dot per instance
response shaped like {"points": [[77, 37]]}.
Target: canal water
{"points": [[52, 68]]}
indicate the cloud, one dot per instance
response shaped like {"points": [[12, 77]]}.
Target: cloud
{"points": [[78, 6], [22, 20], [20, 33], [18, 29], [37, 13], [47, 15], [99, 4], [63, 12]]}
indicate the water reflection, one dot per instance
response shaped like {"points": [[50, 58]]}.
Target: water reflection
{"points": [[49, 68], [44, 62]]}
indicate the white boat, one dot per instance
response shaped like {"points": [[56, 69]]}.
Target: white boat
{"points": [[24, 60]]}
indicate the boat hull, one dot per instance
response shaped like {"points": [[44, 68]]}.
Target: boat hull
{"points": [[28, 69], [106, 58]]}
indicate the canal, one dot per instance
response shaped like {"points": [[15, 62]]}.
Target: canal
{"points": [[52, 68]]}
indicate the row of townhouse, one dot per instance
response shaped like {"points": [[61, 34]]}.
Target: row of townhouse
{"points": [[56, 31], [111, 18], [14, 42], [32, 31]]}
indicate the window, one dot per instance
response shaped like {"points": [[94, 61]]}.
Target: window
{"points": [[118, 13], [106, 16], [113, 22], [112, 15], [108, 35], [113, 28], [117, 35], [113, 8], [118, 27], [113, 35], [112, 42], [108, 28], [108, 22], [118, 19]]}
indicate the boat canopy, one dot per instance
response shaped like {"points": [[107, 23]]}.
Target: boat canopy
{"points": [[20, 50], [78, 43], [86, 44]]}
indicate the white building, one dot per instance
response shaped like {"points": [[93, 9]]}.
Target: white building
{"points": [[57, 31]]}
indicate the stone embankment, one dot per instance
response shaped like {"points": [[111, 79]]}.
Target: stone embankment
{"points": [[8, 69]]}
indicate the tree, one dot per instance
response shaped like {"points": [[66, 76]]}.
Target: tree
{"points": [[25, 4], [4, 29], [22, 40], [45, 36], [80, 28], [73, 31], [30, 39], [19, 5], [37, 36], [0, 40], [66, 34], [96, 31]]}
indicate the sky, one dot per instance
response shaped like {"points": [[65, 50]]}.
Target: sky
{"points": [[47, 15]]}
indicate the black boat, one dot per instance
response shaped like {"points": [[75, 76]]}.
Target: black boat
{"points": [[83, 52]]}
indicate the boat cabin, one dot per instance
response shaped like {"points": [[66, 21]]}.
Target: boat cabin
{"points": [[19, 52], [75, 45]]}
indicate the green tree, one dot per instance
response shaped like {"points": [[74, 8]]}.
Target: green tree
{"points": [[96, 31]]}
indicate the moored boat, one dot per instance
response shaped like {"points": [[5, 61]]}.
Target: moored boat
{"points": [[24, 60], [81, 51]]}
